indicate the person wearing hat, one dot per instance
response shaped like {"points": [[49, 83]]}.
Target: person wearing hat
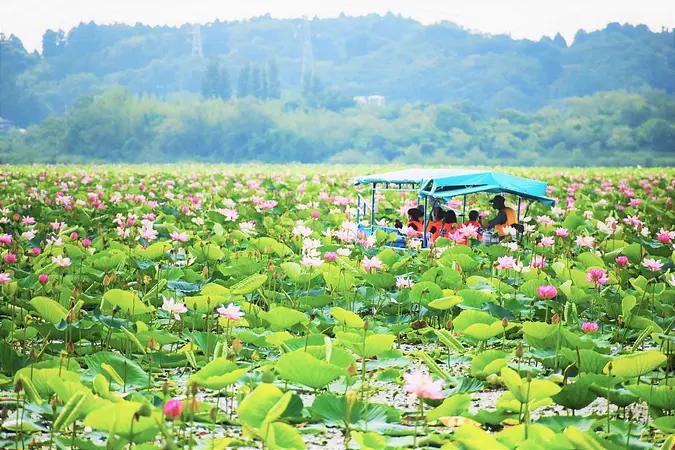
{"points": [[505, 217]]}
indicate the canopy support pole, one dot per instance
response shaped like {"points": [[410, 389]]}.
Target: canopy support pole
{"points": [[424, 226], [372, 209], [358, 209], [519, 199], [464, 209]]}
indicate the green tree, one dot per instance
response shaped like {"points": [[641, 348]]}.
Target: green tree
{"points": [[274, 83], [224, 87], [244, 82], [256, 82], [264, 85], [53, 43], [211, 80]]}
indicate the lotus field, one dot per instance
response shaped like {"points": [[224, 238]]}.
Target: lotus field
{"points": [[209, 307]]}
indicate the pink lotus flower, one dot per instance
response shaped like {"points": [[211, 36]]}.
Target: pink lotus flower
{"points": [[173, 409], [148, 233], [330, 256], [35, 251], [28, 220], [506, 262], [74, 236], [343, 252], [585, 241], [547, 291], [371, 263], [172, 307], [547, 241], [538, 262], [5, 238], [664, 236], [5, 278], [562, 232], [232, 312], [597, 277], [86, 242], [404, 282], [422, 385], [10, 258], [43, 279], [622, 260], [61, 261], [589, 327], [652, 264], [315, 214], [309, 261], [179, 237], [468, 231]]}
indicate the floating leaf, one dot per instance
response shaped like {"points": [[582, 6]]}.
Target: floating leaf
{"points": [[302, 368], [636, 364]]}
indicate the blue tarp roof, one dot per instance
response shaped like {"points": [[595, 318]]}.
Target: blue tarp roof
{"points": [[448, 183]]}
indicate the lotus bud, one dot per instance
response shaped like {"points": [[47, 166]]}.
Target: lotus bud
{"points": [[33, 354], [351, 397], [312, 317], [365, 325], [555, 319], [70, 316], [519, 351], [448, 324], [529, 378], [70, 348], [205, 271], [609, 367], [194, 388], [351, 370], [18, 386], [505, 322], [237, 346], [151, 343], [165, 387], [270, 266]]}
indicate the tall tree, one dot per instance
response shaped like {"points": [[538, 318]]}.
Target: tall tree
{"points": [[211, 79], [224, 86], [53, 43], [256, 86], [274, 89], [244, 82], [265, 91]]}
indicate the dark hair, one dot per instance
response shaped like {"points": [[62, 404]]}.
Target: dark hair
{"points": [[415, 213], [450, 217], [473, 215]]}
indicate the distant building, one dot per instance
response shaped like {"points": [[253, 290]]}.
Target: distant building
{"points": [[377, 100], [6, 125]]}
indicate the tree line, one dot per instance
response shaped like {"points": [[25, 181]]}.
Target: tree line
{"points": [[388, 55], [611, 128]]}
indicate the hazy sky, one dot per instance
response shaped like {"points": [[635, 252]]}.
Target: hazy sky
{"points": [[532, 19]]}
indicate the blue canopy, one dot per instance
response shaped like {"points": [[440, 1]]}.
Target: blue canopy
{"points": [[447, 183]]}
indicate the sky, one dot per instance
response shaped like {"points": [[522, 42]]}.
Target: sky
{"points": [[532, 19]]}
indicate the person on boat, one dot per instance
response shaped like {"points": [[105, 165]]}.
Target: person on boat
{"points": [[474, 219], [449, 223], [505, 216], [435, 225], [415, 220]]}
